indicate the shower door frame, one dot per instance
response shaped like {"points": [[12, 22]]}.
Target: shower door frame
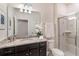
{"points": [[58, 21]]}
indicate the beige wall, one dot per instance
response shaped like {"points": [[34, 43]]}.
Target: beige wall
{"points": [[3, 10]]}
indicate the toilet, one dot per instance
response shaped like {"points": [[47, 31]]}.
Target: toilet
{"points": [[52, 51]]}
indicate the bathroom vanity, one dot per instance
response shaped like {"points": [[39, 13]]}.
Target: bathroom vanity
{"points": [[16, 28], [24, 48]]}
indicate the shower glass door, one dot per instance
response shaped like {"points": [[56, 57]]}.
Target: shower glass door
{"points": [[67, 35]]}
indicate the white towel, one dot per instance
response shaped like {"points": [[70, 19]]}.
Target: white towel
{"points": [[57, 52]]}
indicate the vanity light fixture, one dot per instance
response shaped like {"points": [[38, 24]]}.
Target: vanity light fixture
{"points": [[27, 8]]}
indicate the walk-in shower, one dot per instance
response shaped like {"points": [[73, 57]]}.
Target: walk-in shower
{"points": [[68, 34]]}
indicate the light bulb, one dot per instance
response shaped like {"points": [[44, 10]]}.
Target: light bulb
{"points": [[21, 10], [21, 7], [25, 11], [29, 12]]}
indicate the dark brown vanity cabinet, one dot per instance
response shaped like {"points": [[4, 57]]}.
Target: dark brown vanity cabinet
{"points": [[34, 49]]}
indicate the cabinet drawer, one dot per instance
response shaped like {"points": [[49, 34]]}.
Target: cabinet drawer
{"points": [[21, 48], [42, 51], [34, 45], [42, 44]]}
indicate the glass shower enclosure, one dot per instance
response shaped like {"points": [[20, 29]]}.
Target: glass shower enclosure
{"points": [[68, 34]]}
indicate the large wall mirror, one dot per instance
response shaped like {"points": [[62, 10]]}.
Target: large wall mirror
{"points": [[22, 24]]}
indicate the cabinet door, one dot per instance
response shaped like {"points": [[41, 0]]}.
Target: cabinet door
{"points": [[34, 49], [42, 51], [1, 52], [34, 52], [8, 51], [22, 50]]}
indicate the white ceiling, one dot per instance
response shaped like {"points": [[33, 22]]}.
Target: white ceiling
{"points": [[15, 5]]}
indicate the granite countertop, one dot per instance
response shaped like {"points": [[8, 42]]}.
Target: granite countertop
{"points": [[17, 42]]}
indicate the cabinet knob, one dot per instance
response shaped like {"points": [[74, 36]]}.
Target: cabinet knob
{"points": [[27, 54], [8, 51], [40, 50], [30, 53]]}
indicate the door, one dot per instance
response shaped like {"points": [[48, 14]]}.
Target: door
{"points": [[34, 52], [22, 30], [34, 49], [67, 35]]}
